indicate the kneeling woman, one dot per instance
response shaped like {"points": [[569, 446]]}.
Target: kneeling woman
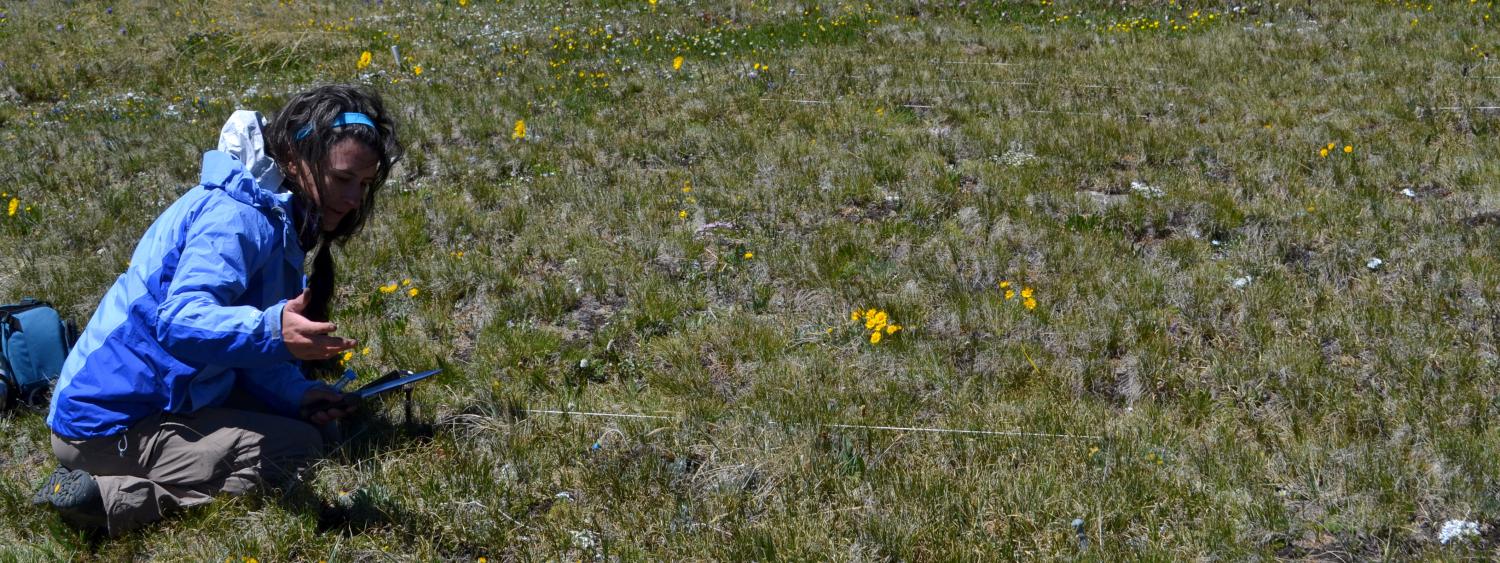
{"points": [[212, 315]]}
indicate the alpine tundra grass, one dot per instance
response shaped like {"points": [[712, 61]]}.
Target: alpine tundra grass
{"points": [[1244, 253]]}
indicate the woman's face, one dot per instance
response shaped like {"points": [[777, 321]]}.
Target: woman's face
{"points": [[350, 170]]}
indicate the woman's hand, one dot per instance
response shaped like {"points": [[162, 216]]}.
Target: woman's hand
{"points": [[308, 339], [321, 405]]}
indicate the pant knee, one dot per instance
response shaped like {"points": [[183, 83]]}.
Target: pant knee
{"points": [[302, 442]]}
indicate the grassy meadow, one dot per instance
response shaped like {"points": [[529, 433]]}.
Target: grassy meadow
{"points": [[1237, 260]]}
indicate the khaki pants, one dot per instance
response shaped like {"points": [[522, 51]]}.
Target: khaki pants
{"points": [[172, 461]]}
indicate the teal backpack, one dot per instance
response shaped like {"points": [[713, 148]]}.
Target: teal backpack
{"points": [[34, 341]]}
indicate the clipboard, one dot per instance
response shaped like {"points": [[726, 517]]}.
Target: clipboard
{"points": [[389, 382]]}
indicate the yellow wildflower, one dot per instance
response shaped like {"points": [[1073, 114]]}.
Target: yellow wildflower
{"points": [[14, 203], [687, 186], [1004, 284], [417, 70], [891, 329], [1323, 153], [364, 60], [749, 255], [1010, 294], [677, 63], [1030, 304], [391, 288], [520, 130], [682, 214], [1026, 292], [412, 292], [875, 337], [348, 355], [405, 282], [854, 315], [365, 351], [462, 3], [1330, 146], [1348, 149]]}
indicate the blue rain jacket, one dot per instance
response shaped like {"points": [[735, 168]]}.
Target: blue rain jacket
{"points": [[197, 312]]}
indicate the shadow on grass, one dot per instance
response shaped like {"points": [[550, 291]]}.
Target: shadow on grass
{"points": [[368, 437]]}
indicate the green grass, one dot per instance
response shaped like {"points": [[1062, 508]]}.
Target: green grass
{"points": [[869, 157]]}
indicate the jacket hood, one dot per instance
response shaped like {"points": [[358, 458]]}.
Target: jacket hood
{"points": [[243, 137], [223, 171]]}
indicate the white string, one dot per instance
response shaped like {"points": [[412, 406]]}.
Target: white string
{"points": [[961, 431], [973, 63], [1061, 85], [1462, 108], [995, 63], [603, 414], [849, 426], [1058, 84], [826, 102], [1058, 111]]}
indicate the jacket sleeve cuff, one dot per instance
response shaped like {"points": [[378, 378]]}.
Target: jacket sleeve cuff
{"points": [[276, 346], [291, 399]]}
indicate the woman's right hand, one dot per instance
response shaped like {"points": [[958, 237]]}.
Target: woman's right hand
{"points": [[308, 339]]}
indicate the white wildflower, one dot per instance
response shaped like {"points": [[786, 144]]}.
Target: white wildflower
{"points": [[1146, 190], [1240, 283], [1408, 192], [1015, 156], [1457, 529], [584, 539]]}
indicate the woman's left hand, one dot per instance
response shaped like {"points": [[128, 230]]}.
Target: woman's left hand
{"points": [[335, 409]]}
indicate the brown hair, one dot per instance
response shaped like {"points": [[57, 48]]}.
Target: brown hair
{"points": [[318, 108]]}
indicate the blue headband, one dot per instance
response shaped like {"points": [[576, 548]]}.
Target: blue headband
{"points": [[343, 119]]}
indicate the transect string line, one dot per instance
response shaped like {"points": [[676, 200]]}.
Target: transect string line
{"points": [[1018, 83], [599, 414], [961, 431], [845, 426], [1088, 86], [922, 106], [826, 102], [1032, 83], [989, 63]]}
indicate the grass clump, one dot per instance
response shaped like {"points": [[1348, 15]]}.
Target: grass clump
{"points": [[1111, 221]]}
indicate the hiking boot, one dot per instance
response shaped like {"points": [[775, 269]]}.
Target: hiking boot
{"points": [[43, 494], [76, 497]]}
